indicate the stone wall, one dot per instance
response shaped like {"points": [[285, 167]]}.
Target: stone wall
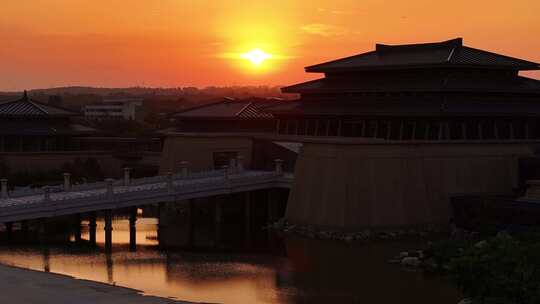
{"points": [[199, 151], [352, 186]]}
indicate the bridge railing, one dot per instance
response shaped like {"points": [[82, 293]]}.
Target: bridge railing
{"points": [[184, 181]]}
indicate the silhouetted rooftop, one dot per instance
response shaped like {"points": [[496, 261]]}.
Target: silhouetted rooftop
{"points": [[451, 53], [395, 83], [230, 108], [26, 107]]}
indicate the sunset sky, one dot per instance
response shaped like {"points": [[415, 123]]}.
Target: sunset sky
{"points": [[171, 43]]}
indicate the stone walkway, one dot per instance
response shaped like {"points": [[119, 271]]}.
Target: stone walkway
{"points": [[33, 287]]}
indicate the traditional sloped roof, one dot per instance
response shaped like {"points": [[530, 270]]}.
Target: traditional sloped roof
{"points": [[26, 107], [448, 83], [414, 107], [451, 53], [251, 108]]}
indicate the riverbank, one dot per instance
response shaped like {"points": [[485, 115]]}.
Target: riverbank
{"points": [[34, 287]]}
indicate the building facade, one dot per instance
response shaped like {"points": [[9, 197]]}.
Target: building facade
{"points": [[432, 91], [126, 108]]}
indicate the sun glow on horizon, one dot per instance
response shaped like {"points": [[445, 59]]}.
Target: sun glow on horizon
{"points": [[256, 56]]}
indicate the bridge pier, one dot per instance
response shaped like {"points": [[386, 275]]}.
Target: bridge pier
{"points": [[191, 236], [133, 229], [9, 231], [247, 216], [92, 228], [218, 221], [108, 230], [272, 211], [78, 230]]}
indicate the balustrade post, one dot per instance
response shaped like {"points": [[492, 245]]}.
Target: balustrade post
{"points": [[47, 194], [4, 183], [67, 181], [232, 165], [279, 166], [170, 185], [240, 164], [110, 190], [226, 172], [184, 171], [127, 176]]}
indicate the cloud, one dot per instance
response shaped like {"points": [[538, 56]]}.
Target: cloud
{"points": [[322, 29]]}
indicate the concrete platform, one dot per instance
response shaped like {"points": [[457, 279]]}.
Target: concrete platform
{"points": [[33, 287]]}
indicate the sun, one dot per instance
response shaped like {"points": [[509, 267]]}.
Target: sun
{"points": [[256, 56]]}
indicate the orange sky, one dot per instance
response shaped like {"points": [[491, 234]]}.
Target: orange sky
{"points": [[170, 43]]}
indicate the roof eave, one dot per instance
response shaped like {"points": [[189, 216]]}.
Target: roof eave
{"points": [[420, 66]]}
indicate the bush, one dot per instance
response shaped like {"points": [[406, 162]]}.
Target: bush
{"points": [[502, 269]]}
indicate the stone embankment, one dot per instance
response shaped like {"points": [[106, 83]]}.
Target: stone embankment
{"points": [[313, 232], [33, 287]]}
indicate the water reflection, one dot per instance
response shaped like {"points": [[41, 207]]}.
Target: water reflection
{"points": [[307, 271]]}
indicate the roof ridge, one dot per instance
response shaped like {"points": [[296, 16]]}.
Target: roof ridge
{"points": [[308, 68], [244, 108], [504, 56], [37, 105], [456, 42], [200, 106]]}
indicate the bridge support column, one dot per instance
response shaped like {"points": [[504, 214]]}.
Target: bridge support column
{"points": [[133, 229], [92, 228], [78, 229], [108, 230], [41, 230], [272, 210], [24, 228], [9, 231], [191, 237], [247, 217], [218, 221]]}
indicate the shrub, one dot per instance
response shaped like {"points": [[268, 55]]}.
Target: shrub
{"points": [[501, 269]]}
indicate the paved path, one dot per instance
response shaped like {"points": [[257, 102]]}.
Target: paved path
{"points": [[33, 287]]}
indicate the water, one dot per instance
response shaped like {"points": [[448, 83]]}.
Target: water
{"points": [[292, 270]]}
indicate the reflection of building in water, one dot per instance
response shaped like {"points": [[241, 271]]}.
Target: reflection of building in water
{"points": [[231, 221], [354, 273]]}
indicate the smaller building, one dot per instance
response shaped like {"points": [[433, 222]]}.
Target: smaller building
{"points": [[229, 115], [125, 108], [30, 126]]}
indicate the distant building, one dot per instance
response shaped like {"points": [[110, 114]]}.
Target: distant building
{"points": [[125, 108], [431, 91]]}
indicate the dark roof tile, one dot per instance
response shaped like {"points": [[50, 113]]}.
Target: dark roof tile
{"points": [[447, 53], [27, 107]]}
